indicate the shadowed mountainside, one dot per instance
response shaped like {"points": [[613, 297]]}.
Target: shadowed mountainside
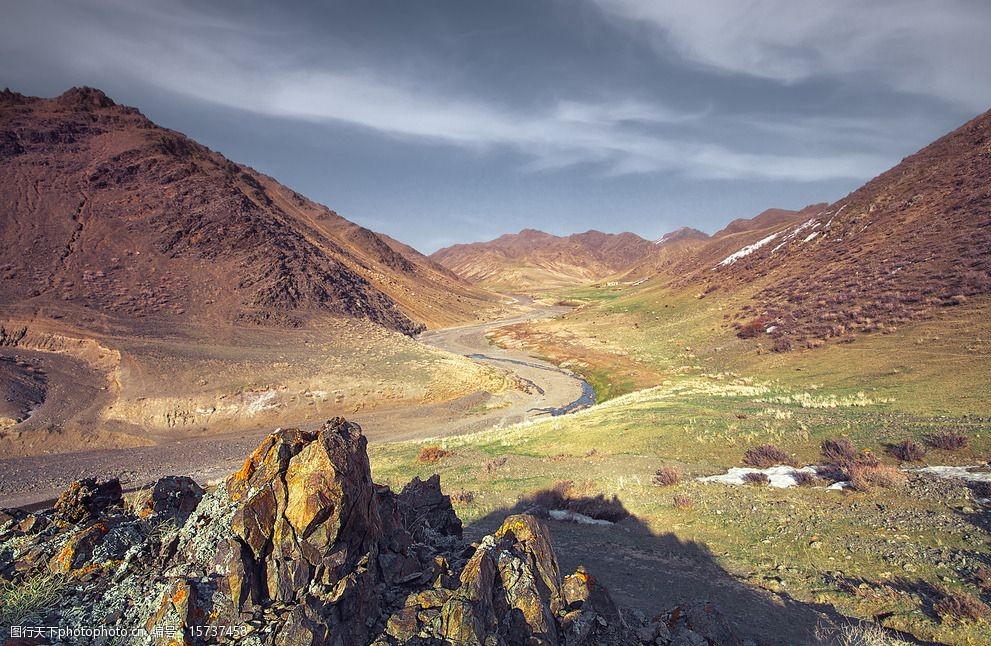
{"points": [[112, 219]]}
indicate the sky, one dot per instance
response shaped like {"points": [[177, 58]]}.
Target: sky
{"points": [[440, 122]]}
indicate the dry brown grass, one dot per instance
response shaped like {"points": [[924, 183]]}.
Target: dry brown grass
{"points": [[838, 451], [756, 478], [432, 453], [463, 497], [909, 451], [495, 464], [961, 606], [766, 455], [948, 440], [864, 477], [682, 502], [804, 479], [666, 477], [982, 578]]}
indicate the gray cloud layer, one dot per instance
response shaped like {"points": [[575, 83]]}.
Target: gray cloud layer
{"points": [[775, 92]]}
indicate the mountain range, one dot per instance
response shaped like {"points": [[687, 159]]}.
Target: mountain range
{"points": [[534, 259]]}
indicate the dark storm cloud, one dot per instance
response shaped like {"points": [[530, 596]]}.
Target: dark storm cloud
{"points": [[548, 114]]}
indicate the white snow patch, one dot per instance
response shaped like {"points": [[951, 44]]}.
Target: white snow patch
{"points": [[976, 473], [780, 475], [771, 329], [746, 251], [575, 517], [811, 236]]}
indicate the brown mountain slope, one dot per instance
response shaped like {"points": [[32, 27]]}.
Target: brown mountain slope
{"points": [[914, 239], [533, 259], [109, 216], [679, 254], [163, 291]]}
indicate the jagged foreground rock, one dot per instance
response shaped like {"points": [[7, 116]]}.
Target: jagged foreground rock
{"points": [[301, 547]]}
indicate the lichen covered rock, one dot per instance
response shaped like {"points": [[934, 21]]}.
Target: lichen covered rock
{"points": [[301, 547]]}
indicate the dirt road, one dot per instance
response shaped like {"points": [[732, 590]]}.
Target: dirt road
{"points": [[546, 390]]}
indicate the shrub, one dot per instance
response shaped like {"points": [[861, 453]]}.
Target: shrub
{"points": [[838, 451], [756, 478], [683, 502], [781, 344], [870, 476], [752, 328], [492, 465], [765, 455], [432, 453], [804, 478], [831, 472], [963, 606], [908, 451], [947, 440], [666, 476], [463, 497], [982, 578]]}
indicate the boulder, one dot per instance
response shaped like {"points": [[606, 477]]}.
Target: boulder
{"points": [[78, 550], [86, 499], [426, 508], [171, 498]]}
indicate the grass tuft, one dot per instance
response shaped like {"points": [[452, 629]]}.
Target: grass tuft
{"points": [[865, 477], [756, 478], [30, 599], [961, 606], [666, 477], [909, 451], [432, 453], [948, 440], [766, 455]]}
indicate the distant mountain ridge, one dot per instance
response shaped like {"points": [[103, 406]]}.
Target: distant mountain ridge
{"points": [[533, 259]]}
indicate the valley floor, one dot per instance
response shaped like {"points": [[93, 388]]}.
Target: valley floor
{"points": [[784, 564], [539, 389]]}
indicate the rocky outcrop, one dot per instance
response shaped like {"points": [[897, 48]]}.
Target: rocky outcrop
{"points": [[300, 547], [86, 499]]}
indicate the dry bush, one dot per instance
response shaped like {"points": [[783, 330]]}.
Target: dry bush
{"points": [[948, 440], [666, 476], [581, 498], [962, 606], [863, 634], [495, 463], [804, 479], [682, 502], [838, 451], [463, 497], [871, 476], [766, 455], [753, 328], [756, 478], [982, 578], [782, 344], [432, 453], [908, 451]]}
